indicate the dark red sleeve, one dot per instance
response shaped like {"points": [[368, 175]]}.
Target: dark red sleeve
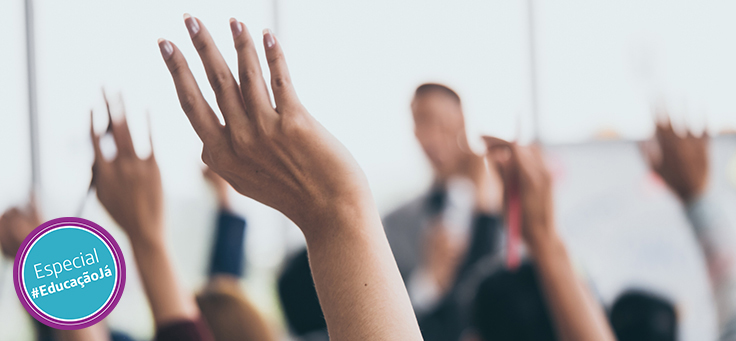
{"points": [[184, 330]]}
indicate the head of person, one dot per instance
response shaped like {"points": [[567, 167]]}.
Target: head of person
{"points": [[229, 314], [639, 315], [298, 297], [439, 126], [509, 305]]}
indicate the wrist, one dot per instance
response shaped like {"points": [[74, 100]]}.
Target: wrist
{"points": [[146, 236], [346, 216], [543, 241]]}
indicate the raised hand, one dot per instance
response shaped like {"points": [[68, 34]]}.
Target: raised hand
{"points": [[279, 156], [127, 186], [681, 161], [575, 313], [284, 158], [130, 190], [15, 225], [523, 168]]}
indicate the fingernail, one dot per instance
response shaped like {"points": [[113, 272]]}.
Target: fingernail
{"points": [[192, 24], [268, 38], [166, 48], [235, 27]]}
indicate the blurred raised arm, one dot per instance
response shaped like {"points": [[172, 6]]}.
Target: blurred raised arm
{"points": [[683, 163], [284, 158], [575, 314], [130, 190]]}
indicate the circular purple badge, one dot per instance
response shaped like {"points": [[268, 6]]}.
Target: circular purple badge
{"points": [[69, 273]]}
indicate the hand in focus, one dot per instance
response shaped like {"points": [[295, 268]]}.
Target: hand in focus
{"points": [[682, 162], [15, 225], [281, 156], [129, 187], [522, 168]]}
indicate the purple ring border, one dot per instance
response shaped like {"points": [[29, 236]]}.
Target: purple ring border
{"points": [[86, 225]]}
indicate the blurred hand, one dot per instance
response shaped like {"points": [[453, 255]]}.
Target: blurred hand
{"points": [[488, 186], [522, 168], [682, 162], [281, 156], [442, 255], [129, 187], [15, 225]]}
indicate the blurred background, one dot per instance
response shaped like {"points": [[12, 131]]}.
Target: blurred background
{"points": [[582, 78]]}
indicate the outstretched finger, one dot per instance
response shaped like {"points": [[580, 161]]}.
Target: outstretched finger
{"points": [[252, 85], [120, 132], [283, 91], [221, 79], [95, 138], [200, 114]]}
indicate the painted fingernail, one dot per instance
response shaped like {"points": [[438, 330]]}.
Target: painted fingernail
{"points": [[268, 38], [166, 48], [192, 24], [235, 27]]}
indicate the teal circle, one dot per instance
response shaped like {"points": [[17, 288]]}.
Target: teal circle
{"points": [[54, 259]]}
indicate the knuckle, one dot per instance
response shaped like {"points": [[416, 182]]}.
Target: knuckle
{"points": [[275, 58], [294, 125], [280, 81], [188, 102], [201, 45], [241, 150], [221, 81], [249, 74], [206, 158], [177, 66]]}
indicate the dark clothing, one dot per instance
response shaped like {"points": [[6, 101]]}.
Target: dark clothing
{"points": [[449, 319], [227, 253], [185, 330]]}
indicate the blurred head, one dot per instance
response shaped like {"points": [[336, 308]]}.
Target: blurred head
{"points": [[638, 315], [439, 126], [229, 314], [509, 306], [299, 297]]}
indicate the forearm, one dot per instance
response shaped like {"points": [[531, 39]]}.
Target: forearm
{"points": [[576, 315], [168, 299], [716, 238], [358, 283]]}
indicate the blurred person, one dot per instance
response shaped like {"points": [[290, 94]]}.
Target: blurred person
{"points": [[682, 161], [514, 295], [15, 224], [510, 305], [439, 236], [282, 157], [299, 299], [224, 306], [129, 188], [637, 315]]}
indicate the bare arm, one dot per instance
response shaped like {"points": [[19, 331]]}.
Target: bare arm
{"points": [[130, 190], [576, 316], [284, 158], [682, 162]]}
